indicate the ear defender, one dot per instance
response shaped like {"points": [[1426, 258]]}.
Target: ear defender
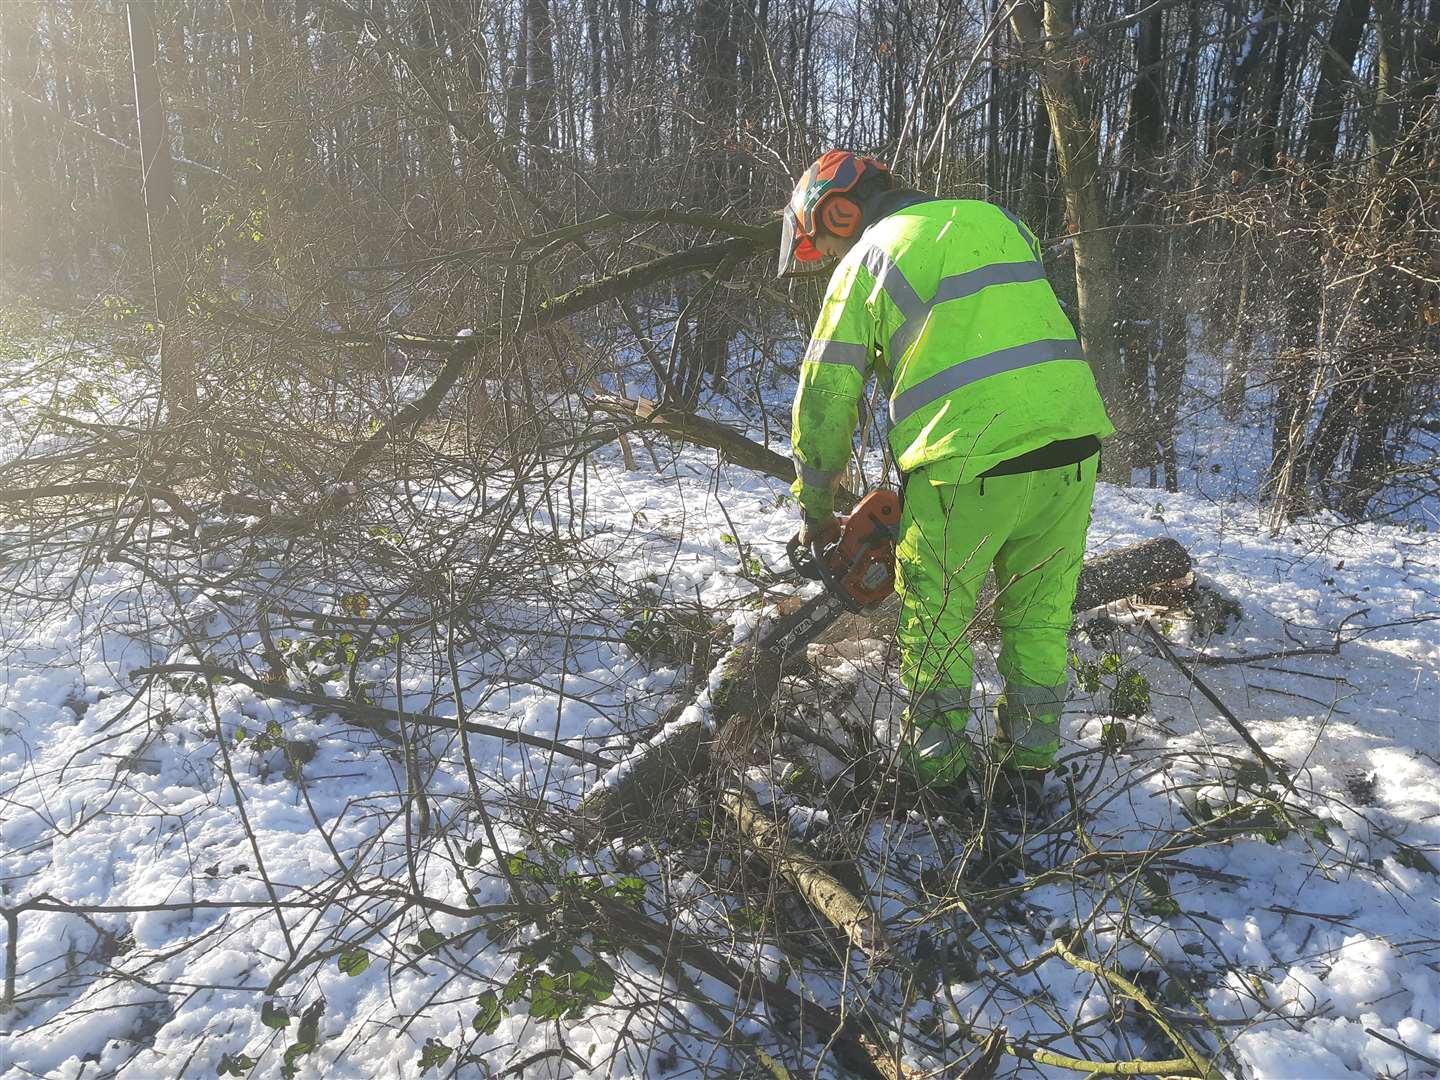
{"points": [[840, 215]]}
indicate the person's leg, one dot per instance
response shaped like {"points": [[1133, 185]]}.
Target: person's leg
{"points": [[948, 536], [1037, 569]]}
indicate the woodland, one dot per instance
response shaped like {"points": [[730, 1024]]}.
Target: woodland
{"points": [[394, 430]]}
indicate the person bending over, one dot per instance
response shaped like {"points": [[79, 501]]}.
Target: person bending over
{"points": [[995, 423]]}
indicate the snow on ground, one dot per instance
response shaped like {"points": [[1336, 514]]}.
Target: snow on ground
{"points": [[1316, 951]]}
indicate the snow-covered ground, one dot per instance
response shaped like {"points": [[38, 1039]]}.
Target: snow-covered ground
{"points": [[244, 871]]}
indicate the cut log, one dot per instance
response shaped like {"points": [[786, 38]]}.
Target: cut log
{"points": [[1130, 570]]}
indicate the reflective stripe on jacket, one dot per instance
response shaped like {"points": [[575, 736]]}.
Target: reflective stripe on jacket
{"points": [[947, 302]]}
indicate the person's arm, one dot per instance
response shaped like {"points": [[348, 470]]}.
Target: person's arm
{"points": [[832, 381]]}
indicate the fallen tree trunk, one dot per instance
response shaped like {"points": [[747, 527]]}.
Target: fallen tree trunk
{"points": [[743, 686], [702, 431], [1130, 570], [654, 773]]}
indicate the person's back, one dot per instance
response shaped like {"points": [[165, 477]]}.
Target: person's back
{"points": [[965, 318]]}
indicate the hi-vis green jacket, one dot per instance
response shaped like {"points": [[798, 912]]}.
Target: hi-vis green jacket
{"points": [[947, 302]]}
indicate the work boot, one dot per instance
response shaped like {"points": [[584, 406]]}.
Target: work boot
{"points": [[950, 797], [1016, 797]]}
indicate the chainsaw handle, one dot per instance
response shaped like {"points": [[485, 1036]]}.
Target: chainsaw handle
{"points": [[833, 585], [813, 563], [802, 560], [807, 561]]}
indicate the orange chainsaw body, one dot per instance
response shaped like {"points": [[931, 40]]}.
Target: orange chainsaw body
{"points": [[860, 565]]}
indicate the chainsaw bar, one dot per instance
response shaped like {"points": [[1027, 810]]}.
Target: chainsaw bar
{"points": [[803, 625]]}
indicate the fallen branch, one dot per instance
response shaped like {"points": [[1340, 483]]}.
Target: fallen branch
{"points": [[820, 888], [1333, 649], [1196, 1062], [375, 714], [1275, 769], [1131, 1067], [102, 487], [698, 430], [866, 1049], [583, 298]]}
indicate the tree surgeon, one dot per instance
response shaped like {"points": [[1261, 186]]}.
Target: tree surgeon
{"points": [[995, 423]]}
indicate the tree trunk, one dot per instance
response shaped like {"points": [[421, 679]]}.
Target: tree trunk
{"points": [[1233, 132], [632, 793], [1143, 299], [516, 86], [1289, 478], [1385, 113], [162, 216], [1097, 278], [540, 94], [596, 88], [1336, 59]]}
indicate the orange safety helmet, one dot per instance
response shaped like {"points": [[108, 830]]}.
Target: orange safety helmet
{"points": [[821, 200]]}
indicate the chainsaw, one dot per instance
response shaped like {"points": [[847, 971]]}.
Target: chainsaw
{"points": [[854, 560]]}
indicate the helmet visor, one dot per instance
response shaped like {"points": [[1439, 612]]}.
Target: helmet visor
{"points": [[795, 248]]}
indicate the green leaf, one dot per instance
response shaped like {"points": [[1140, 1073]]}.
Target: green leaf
{"points": [[602, 979], [525, 868], [515, 988], [434, 1053], [489, 1013], [309, 1029], [538, 951], [1113, 736], [234, 1065], [353, 961], [748, 918], [430, 939], [473, 852], [1414, 859], [274, 1016], [290, 1066], [1156, 897], [564, 961], [1131, 696], [628, 890], [545, 1004]]}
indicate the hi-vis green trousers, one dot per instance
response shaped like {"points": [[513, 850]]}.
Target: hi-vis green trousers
{"points": [[1031, 527]]}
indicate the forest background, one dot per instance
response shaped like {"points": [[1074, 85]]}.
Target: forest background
{"points": [[1262, 171]]}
